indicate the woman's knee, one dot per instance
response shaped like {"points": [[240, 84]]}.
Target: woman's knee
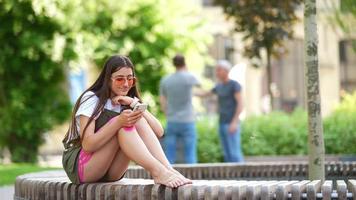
{"points": [[126, 130]]}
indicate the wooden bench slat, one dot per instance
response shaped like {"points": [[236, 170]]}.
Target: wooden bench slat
{"points": [[282, 189], [312, 189], [352, 187], [268, 190], [298, 189], [341, 189], [326, 190], [253, 191]]}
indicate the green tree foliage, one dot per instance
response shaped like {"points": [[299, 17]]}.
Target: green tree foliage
{"points": [[43, 39], [32, 95], [344, 17], [264, 24], [150, 32]]}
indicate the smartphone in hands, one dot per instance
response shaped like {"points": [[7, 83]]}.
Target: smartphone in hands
{"points": [[140, 106]]}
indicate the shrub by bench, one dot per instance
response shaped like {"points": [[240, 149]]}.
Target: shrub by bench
{"points": [[211, 181]]}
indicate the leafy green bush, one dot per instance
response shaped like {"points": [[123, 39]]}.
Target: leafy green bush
{"points": [[276, 133], [282, 134], [340, 127], [279, 133], [209, 147]]}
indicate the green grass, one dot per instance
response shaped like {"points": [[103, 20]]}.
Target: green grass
{"points": [[8, 173]]}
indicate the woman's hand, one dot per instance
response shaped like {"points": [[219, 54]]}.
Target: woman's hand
{"points": [[129, 117], [123, 100]]}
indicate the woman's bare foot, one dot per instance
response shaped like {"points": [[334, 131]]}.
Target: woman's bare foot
{"points": [[168, 178], [184, 179]]}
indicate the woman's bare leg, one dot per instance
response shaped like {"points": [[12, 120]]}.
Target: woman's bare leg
{"points": [[133, 146], [118, 166], [101, 161], [152, 143]]}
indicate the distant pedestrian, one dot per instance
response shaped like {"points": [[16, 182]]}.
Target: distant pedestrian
{"points": [[176, 102], [230, 106]]}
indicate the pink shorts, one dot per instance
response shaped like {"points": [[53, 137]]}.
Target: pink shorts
{"points": [[84, 157]]}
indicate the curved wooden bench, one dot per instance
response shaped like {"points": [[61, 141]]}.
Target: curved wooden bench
{"points": [[252, 171], [137, 185]]}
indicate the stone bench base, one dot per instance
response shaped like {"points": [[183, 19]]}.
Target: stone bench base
{"points": [[55, 185]]}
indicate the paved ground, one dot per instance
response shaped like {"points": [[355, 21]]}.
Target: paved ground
{"points": [[7, 192]]}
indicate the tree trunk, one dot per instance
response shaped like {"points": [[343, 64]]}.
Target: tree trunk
{"points": [[315, 129], [269, 79]]}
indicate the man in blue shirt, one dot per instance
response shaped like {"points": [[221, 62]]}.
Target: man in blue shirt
{"points": [[230, 106]]}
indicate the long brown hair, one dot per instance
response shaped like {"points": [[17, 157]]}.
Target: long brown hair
{"points": [[101, 89]]}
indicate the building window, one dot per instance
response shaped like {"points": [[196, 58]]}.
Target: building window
{"points": [[347, 56], [222, 48], [208, 3], [288, 74]]}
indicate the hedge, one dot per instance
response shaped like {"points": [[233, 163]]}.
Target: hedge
{"points": [[280, 133]]}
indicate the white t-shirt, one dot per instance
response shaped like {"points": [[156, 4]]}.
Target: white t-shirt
{"points": [[87, 107]]}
